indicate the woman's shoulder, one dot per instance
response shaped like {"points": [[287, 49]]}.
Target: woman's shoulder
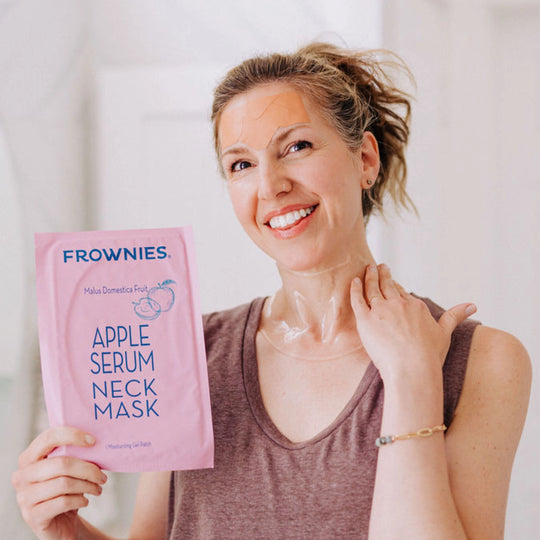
{"points": [[497, 384], [499, 359]]}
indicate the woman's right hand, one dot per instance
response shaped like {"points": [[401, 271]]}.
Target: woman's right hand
{"points": [[51, 490]]}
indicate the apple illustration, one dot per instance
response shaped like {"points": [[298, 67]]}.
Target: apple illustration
{"points": [[163, 294], [147, 308]]}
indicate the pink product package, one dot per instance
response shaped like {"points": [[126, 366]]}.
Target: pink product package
{"points": [[122, 347]]}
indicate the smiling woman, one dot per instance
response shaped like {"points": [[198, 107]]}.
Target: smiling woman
{"points": [[343, 405], [304, 166]]}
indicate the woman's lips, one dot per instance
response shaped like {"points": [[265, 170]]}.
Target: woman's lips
{"points": [[292, 222], [286, 219]]}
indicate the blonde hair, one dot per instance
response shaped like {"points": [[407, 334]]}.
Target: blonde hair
{"points": [[356, 93]]}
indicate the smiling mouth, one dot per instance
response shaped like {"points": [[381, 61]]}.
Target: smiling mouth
{"points": [[290, 219]]}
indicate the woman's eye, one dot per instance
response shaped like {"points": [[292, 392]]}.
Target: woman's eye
{"points": [[300, 145], [239, 166]]}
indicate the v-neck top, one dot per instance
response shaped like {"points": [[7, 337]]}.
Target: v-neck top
{"points": [[260, 414], [265, 486]]}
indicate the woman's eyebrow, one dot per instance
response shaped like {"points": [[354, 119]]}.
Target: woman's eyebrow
{"points": [[234, 150], [283, 133], [279, 135]]}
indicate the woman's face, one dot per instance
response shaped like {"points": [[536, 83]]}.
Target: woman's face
{"points": [[295, 186]]}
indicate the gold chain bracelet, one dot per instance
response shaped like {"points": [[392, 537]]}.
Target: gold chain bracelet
{"points": [[424, 432]]}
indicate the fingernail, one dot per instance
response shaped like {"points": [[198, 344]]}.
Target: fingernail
{"points": [[384, 266], [471, 308], [104, 477], [372, 268], [357, 281], [89, 439]]}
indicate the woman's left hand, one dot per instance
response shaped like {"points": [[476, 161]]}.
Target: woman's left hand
{"points": [[397, 330]]}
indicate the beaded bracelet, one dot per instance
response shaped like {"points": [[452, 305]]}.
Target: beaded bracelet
{"points": [[424, 432]]}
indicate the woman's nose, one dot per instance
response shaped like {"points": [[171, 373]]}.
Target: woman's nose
{"points": [[272, 181]]}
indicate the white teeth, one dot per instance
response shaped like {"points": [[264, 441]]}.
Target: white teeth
{"points": [[280, 222]]}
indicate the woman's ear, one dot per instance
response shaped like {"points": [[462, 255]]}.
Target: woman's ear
{"points": [[369, 155]]}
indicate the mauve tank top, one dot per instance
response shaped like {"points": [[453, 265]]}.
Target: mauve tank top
{"points": [[263, 486]]}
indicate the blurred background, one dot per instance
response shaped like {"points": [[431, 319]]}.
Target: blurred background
{"points": [[104, 109]]}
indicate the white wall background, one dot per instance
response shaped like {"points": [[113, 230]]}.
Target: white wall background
{"points": [[103, 124]]}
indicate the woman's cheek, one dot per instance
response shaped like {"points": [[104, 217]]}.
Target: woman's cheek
{"points": [[242, 205]]}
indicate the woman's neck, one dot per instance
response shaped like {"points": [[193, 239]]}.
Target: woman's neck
{"points": [[313, 307]]}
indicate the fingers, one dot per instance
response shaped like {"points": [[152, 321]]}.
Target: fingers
{"points": [[41, 515], [49, 487], [402, 292], [358, 303], [372, 291], [56, 487], [55, 479], [55, 467], [50, 439], [386, 283], [378, 284], [451, 318]]}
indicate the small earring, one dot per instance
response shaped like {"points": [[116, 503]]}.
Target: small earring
{"points": [[370, 182]]}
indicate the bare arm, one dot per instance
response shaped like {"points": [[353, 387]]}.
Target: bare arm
{"points": [[483, 439], [150, 514], [412, 496], [456, 486], [151, 505], [440, 487]]}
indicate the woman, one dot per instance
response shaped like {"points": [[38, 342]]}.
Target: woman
{"points": [[305, 383]]}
